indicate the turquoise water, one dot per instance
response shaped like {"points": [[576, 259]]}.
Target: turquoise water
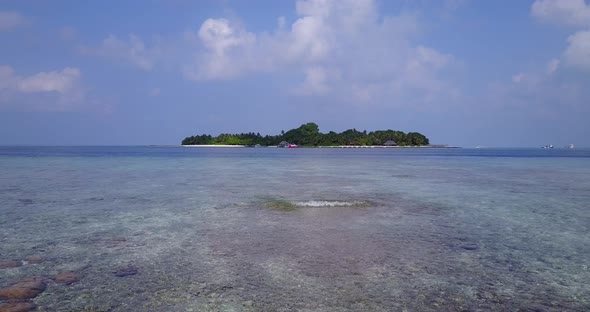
{"points": [[266, 229]]}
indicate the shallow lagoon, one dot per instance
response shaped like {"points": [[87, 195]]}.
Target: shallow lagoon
{"points": [[365, 229]]}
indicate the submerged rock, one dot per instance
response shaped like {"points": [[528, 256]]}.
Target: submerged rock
{"points": [[34, 259], [25, 289], [5, 264], [26, 201], [279, 204], [17, 307], [470, 247], [66, 278], [114, 241], [125, 271]]}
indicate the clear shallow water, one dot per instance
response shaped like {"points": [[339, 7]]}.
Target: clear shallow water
{"points": [[366, 229]]}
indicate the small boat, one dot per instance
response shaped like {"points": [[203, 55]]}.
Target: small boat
{"points": [[292, 146]]}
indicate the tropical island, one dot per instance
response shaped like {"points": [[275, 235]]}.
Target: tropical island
{"points": [[309, 135]]}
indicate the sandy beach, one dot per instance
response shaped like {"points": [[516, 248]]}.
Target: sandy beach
{"points": [[211, 145]]}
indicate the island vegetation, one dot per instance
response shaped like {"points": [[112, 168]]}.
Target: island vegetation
{"points": [[309, 135]]}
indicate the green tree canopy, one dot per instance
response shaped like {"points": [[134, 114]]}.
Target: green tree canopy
{"points": [[309, 135]]}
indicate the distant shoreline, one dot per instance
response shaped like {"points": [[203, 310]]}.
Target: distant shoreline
{"points": [[339, 146]]}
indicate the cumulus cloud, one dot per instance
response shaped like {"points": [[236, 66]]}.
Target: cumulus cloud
{"points": [[550, 89], [221, 41], [53, 90], [55, 81], [315, 82], [343, 48], [578, 51], [133, 50], [575, 13], [563, 12], [10, 20], [542, 88]]}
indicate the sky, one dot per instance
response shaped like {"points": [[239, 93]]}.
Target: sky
{"points": [[462, 72]]}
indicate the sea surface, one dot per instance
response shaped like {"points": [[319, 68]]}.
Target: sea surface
{"points": [[308, 229]]}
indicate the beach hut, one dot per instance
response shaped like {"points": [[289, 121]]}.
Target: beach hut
{"points": [[390, 143]]}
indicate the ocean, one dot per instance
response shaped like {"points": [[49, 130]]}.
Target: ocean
{"points": [[307, 229]]}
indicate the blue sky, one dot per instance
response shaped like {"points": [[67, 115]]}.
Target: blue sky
{"points": [[462, 72]]}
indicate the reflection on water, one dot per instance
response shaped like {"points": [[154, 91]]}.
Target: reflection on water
{"points": [[172, 229]]}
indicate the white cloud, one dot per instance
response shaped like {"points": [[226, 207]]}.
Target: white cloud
{"points": [[540, 87], [543, 87], [342, 48], [10, 20], [339, 48], [552, 66], [132, 50], [577, 53], [564, 12], [55, 81], [422, 64], [219, 36], [221, 39], [54, 90], [574, 13], [315, 82]]}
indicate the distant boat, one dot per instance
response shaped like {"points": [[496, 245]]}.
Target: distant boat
{"points": [[292, 146], [571, 146], [548, 146]]}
